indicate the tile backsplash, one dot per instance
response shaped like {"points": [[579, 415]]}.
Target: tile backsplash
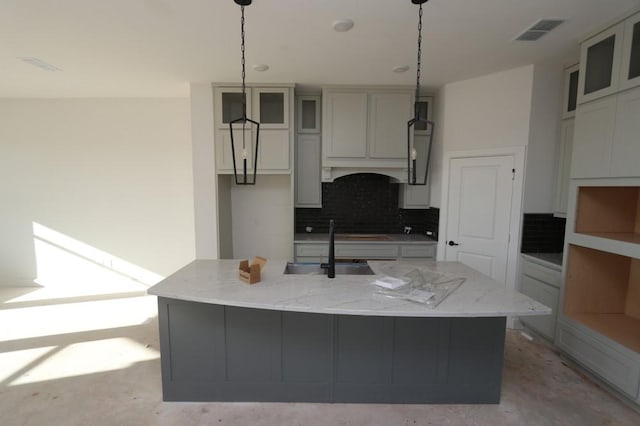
{"points": [[364, 203], [542, 233]]}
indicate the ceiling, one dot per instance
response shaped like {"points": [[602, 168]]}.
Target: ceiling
{"points": [[154, 48]]}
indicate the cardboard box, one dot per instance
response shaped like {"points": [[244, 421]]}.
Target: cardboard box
{"points": [[250, 273]]}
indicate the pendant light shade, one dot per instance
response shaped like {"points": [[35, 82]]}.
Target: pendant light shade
{"points": [[419, 151], [243, 131]]}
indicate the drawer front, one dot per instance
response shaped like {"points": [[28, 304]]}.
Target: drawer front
{"points": [[548, 296], [367, 251], [541, 273], [416, 250], [312, 250], [621, 371]]}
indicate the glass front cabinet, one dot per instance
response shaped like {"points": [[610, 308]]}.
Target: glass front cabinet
{"points": [[610, 60], [630, 73], [271, 107]]}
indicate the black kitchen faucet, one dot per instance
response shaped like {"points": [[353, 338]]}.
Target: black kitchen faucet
{"points": [[331, 265]]}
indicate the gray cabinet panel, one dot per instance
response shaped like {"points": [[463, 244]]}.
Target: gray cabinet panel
{"points": [[252, 344], [420, 350], [473, 350], [201, 321], [306, 347], [363, 349]]}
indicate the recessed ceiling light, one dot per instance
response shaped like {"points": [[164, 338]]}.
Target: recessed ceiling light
{"points": [[342, 25], [261, 67], [401, 68], [39, 63]]}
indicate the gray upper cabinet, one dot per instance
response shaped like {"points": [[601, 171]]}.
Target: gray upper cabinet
{"points": [[270, 106], [388, 116], [610, 60], [600, 58], [308, 187], [630, 71], [228, 105], [308, 114], [570, 99], [344, 124]]}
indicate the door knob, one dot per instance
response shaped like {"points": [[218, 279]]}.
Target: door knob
{"points": [[453, 243]]}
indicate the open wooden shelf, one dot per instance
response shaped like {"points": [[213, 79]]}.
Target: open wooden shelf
{"points": [[625, 237], [611, 212], [602, 291]]}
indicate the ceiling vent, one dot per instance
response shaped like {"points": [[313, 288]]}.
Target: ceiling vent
{"points": [[539, 29]]}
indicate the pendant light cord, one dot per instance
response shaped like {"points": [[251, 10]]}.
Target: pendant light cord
{"points": [[244, 96], [419, 60]]}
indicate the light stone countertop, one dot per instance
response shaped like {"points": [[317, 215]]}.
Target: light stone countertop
{"points": [[217, 282]]}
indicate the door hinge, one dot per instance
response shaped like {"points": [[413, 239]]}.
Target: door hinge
{"points": [[513, 174]]}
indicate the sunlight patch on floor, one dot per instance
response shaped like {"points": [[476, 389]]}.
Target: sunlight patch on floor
{"points": [[14, 361], [50, 342], [87, 358], [48, 320]]}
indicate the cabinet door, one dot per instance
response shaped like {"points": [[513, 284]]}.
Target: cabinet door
{"points": [[228, 105], [418, 251], [308, 186], [625, 155], [548, 296], [570, 101], [273, 150], [630, 70], [414, 196], [388, 117], [600, 58], [593, 137], [344, 127], [224, 158], [309, 114], [564, 166], [271, 107]]}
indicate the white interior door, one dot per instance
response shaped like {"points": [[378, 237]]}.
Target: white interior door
{"points": [[479, 212]]}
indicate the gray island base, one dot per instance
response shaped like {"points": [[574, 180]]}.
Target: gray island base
{"points": [[237, 350], [223, 353]]}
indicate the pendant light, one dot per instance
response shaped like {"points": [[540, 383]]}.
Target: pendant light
{"points": [[417, 155], [245, 126]]}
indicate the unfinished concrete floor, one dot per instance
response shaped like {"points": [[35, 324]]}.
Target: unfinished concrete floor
{"points": [[96, 362]]}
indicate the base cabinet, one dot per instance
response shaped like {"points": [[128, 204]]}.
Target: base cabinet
{"points": [[541, 284], [319, 251], [221, 353], [614, 363]]}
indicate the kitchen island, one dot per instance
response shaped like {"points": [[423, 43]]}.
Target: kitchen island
{"points": [[311, 338]]}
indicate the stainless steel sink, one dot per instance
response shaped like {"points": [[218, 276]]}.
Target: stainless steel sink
{"points": [[304, 268]]}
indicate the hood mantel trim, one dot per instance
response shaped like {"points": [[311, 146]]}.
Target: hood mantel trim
{"points": [[329, 174]]}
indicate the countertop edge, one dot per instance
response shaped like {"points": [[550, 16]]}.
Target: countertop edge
{"points": [[216, 282]]}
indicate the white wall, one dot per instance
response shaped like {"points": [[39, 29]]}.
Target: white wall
{"points": [[114, 175], [435, 166], [544, 134], [262, 218], [205, 180], [491, 111]]}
